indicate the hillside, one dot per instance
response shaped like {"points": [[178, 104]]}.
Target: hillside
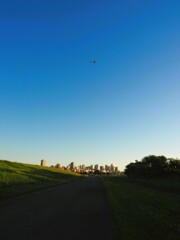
{"points": [[17, 178]]}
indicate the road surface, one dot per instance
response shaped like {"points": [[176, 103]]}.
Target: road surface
{"points": [[75, 210]]}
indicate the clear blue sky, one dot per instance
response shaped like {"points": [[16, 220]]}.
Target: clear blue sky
{"points": [[55, 104]]}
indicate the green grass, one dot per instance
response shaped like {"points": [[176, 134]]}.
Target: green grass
{"points": [[18, 178], [144, 212]]}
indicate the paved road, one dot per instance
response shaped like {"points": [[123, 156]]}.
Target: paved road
{"points": [[73, 210]]}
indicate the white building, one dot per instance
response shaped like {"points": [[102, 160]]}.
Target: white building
{"points": [[43, 163]]}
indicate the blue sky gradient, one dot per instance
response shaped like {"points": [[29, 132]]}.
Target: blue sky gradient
{"points": [[56, 105]]}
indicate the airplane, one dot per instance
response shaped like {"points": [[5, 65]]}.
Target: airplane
{"points": [[93, 62]]}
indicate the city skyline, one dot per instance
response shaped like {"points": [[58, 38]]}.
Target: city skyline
{"points": [[83, 168]]}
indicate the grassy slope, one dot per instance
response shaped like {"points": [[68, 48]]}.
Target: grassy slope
{"points": [[144, 212], [18, 178]]}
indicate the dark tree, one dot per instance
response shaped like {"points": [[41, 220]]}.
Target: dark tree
{"points": [[150, 166], [174, 164]]}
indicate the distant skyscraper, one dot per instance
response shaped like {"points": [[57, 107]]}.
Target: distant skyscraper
{"points": [[72, 166], [43, 163], [96, 167], [116, 169], [101, 168], [112, 168]]}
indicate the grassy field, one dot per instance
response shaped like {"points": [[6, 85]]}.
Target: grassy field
{"points": [[18, 178], [145, 209]]}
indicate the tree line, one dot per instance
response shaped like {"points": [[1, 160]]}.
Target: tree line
{"points": [[153, 166]]}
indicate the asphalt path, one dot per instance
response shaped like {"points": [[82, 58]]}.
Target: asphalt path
{"points": [[76, 210]]}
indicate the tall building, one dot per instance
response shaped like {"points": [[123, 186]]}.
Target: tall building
{"points": [[112, 168], [101, 168], [72, 166], [96, 167], [43, 162], [108, 168]]}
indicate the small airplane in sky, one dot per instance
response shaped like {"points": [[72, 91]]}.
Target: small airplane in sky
{"points": [[93, 62]]}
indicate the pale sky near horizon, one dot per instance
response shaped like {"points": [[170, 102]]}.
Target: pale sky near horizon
{"points": [[56, 105]]}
